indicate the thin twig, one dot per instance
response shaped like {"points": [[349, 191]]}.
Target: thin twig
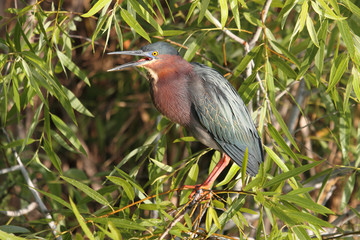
{"points": [[32, 188], [258, 30], [20, 212], [10, 169], [172, 224]]}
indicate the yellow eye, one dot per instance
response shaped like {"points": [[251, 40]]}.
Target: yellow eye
{"points": [[155, 53]]}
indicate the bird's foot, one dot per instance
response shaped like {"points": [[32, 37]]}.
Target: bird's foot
{"points": [[201, 192]]}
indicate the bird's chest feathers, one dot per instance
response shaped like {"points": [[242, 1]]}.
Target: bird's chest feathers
{"points": [[169, 92]]}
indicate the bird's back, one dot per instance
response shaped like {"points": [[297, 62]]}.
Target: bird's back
{"points": [[224, 116]]}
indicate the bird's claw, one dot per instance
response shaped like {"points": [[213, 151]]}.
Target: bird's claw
{"points": [[200, 193]]}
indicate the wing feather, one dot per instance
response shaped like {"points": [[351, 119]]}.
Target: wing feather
{"points": [[224, 115]]}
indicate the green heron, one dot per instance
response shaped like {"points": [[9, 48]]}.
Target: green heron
{"points": [[204, 102]]}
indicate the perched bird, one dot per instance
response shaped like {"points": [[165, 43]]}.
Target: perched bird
{"points": [[204, 102]]}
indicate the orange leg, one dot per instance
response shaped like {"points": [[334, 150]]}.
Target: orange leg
{"points": [[224, 161]]}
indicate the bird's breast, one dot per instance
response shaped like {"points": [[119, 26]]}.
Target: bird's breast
{"points": [[170, 96]]}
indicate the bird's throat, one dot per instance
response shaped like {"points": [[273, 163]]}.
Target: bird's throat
{"points": [[152, 76]]}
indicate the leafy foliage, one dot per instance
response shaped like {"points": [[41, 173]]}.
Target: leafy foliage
{"points": [[89, 141]]}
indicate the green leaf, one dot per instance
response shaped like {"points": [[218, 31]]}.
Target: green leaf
{"points": [[344, 134], [302, 217], [227, 215], [96, 8], [163, 166], [270, 81], [170, 33], [16, 95], [191, 10], [129, 180], [306, 203], [120, 223], [33, 125], [285, 10], [299, 232], [87, 190], [160, 8], [246, 60], [203, 7], [81, 221], [352, 7], [290, 173], [118, 32], [244, 166], [283, 126], [300, 23], [288, 54], [347, 38], [283, 66], [68, 133], [76, 104], [283, 215], [231, 173], [319, 58], [356, 81], [125, 185], [194, 46], [55, 160], [303, 15], [72, 67], [280, 140], [214, 217], [328, 12], [55, 198], [235, 10], [131, 21], [8, 236], [338, 68], [14, 229], [145, 15], [185, 139], [250, 92], [276, 159], [208, 220], [192, 175], [224, 12], [311, 29]]}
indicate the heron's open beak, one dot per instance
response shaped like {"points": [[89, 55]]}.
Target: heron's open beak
{"points": [[147, 58]]}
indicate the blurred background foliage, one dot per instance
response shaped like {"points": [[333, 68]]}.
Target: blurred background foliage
{"points": [[106, 165]]}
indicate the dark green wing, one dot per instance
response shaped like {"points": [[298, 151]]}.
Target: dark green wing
{"points": [[224, 115]]}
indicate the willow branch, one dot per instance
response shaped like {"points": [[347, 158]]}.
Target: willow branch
{"points": [[20, 212], [32, 188]]}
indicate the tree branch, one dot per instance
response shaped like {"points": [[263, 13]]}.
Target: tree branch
{"points": [[32, 188]]}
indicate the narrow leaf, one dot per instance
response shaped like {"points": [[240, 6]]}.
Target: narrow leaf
{"points": [[289, 174], [131, 21], [231, 173], [145, 15], [306, 203], [280, 140], [96, 8], [235, 10], [81, 221], [87, 190], [68, 133], [124, 184], [338, 68], [283, 126], [224, 12], [72, 67], [311, 30], [203, 7], [163, 166]]}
